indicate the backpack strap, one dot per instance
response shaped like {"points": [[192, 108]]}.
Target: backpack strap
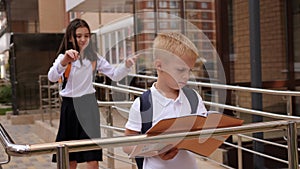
{"points": [[67, 71], [63, 80], [192, 97], [146, 110]]}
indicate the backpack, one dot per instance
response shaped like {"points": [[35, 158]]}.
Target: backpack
{"points": [[146, 110]]}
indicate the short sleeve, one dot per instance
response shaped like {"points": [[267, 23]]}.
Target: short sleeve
{"points": [[134, 121]]}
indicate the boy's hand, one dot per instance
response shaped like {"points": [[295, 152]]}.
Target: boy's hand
{"points": [[128, 149], [170, 154]]}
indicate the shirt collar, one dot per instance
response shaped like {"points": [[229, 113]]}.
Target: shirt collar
{"points": [[162, 99]]}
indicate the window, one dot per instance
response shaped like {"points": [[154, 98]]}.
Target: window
{"points": [[129, 48], [209, 35], [296, 31], [106, 42], [192, 15], [149, 36], [127, 32], [3, 22], [163, 4], [204, 5], [195, 35], [72, 15], [174, 4], [190, 5], [175, 25], [174, 14], [149, 15], [204, 15], [149, 25], [113, 38], [163, 25], [205, 25], [163, 15], [149, 4], [207, 45]]}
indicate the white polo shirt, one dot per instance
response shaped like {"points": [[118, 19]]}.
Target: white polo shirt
{"points": [[166, 108]]}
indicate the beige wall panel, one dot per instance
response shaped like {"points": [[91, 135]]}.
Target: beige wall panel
{"points": [[52, 16], [107, 18], [92, 19]]}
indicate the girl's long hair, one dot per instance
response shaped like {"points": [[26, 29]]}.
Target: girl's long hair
{"points": [[69, 41]]}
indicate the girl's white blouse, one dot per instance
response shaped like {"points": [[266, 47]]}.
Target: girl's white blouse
{"points": [[80, 81]]}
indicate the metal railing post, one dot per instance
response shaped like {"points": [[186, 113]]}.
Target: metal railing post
{"points": [[110, 158], [292, 145], [240, 153], [62, 157], [109, 121], [289, 106]]}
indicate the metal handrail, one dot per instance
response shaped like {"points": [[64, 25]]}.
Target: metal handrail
{"points": [[122, 130], [288, 94], [231, 87], [79, 145], [110, 103], [83, 145], [119, 89], [240, 109], [250, 111]]}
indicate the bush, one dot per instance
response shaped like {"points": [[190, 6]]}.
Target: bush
{"points": [[5, 94], [4, 110]]}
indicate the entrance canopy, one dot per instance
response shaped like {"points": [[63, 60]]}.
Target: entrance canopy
{"points": [[118, 6]]}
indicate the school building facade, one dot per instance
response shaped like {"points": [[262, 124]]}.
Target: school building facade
{"points": [[226, 23]]}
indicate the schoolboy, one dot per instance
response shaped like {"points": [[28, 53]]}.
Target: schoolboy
{"points": [[175, 56]]}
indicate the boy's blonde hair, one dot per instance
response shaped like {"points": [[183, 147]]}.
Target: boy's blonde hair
{"points": [[175, 43]]}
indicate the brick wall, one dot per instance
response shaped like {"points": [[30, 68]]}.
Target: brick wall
{"points": [[273, 54]]}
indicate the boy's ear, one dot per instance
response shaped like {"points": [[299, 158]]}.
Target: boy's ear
{"points": [[157, 64]]}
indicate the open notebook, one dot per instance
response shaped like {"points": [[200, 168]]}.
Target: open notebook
{"points": [[202, 145]]}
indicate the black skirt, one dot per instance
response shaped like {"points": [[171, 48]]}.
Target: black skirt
{"points": [[80, 119]]}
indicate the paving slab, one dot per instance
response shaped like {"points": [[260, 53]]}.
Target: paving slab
{"points": [[34, 133]]}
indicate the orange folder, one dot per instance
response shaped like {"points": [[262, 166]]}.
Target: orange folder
{"points": [[203, 145]]}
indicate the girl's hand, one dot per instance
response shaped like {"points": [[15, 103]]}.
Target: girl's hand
{"points": [[70, 56], [170, 154], [130, 61]]}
